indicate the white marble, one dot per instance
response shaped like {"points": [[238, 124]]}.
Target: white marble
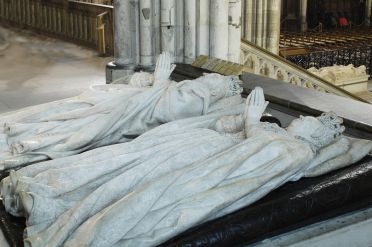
{"points": [[349, 78], [110, 114], [171, 178], [342, 74]]}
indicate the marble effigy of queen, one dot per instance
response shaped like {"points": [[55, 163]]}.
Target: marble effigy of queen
{"points": [[110, 114], [173, 177]]}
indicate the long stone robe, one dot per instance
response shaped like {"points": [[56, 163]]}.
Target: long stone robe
{"points": [[168, 181], [144, 192], [102, 116]]}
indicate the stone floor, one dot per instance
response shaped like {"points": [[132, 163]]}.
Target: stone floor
{"points": [[35, 69]]}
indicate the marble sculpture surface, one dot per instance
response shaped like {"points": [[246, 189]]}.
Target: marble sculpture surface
{"points": [[110, 114], [341, 73], [173, 177]]}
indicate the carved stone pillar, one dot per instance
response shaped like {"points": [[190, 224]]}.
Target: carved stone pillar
{"points": [[190, 31], [219, 29], [234, 30], [303, 15], [273, 26], [368, 12], [125, 32], [259, 22], [168, 26], [249, 17], [265, 22], [146, 48], [202, 33]]}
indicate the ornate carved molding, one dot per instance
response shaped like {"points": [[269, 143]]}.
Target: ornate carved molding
{"points": [[259, 61]]}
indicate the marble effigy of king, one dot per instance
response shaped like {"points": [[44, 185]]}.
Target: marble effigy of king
{"points": [[110, 114]]}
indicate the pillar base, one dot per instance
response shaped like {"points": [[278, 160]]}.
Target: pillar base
{"points": [[115, 71]]}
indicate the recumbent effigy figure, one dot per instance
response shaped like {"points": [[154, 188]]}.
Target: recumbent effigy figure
{"points": [[173, 177], [110, 114]]}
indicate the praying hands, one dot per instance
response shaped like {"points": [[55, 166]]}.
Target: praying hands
{"points": [[255, 107], [163, 68]]}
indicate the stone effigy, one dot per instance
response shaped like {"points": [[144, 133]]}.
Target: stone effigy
{"points": [[173, 177], [108, 114], [353, 79]]}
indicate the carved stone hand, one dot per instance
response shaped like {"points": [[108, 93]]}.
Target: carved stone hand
{"points": [[255, 107], [163, 68]]}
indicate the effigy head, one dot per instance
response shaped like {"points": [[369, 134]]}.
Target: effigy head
{"points": [[141, 79], [222, 86], [317, 131]]}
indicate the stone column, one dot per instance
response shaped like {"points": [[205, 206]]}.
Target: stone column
{"points": [[180, 31], [368, 12], [254, 22], [146, 48], [156, 13], [259, 22], [249, 19], [219, 28], [265, 18], [202, 33], [190, 31], [303, 15], [273, 25], [124, 53], [168, 26], [235, 11]]}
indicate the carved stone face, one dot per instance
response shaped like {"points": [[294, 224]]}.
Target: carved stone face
{"points": [[304, 127], [221, 86]]}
